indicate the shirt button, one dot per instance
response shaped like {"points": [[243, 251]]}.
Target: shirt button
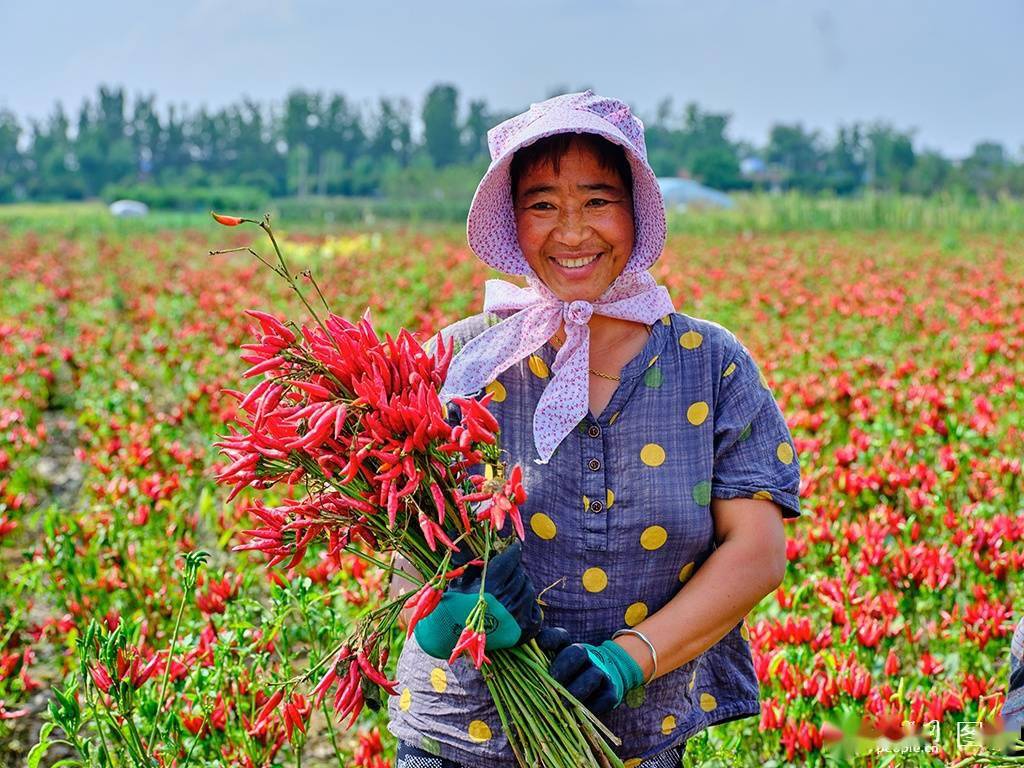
{"points": [[594, 431], [596, 506], [594, 464]]}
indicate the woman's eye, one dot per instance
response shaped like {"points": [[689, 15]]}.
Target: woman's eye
{"points": [[536, 206], [598, 201]]}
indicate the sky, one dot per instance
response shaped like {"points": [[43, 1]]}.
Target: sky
{"points": [[949, 70]]}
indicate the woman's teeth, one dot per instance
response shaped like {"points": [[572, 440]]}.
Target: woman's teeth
{"points": [[576, 263]]}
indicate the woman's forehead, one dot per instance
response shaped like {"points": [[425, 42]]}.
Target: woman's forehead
{"points": [[579, 169]]}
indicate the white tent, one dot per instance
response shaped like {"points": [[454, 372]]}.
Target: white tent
{"points": [[128, 208], [681, 194]]}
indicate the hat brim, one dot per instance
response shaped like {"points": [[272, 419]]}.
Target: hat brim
{"points": [[491, 224]]}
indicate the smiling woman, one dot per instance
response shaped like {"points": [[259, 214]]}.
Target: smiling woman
{"points": [[655, 514]]}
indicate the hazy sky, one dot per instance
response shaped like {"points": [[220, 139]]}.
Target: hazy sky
{"points": [[953, 70]]}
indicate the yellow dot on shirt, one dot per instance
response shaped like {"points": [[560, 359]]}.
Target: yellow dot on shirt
{"points": [[766, 495], [729, 369], [636, 613], [690, 340], [613, 418], [697, 412], [653, 537], [633, 762], [444, 411], [609, 499], [744, 632], [543, 526], [438, 679], [405, 700], [538, 366], [653, 361], [479, 731], [594, 579], [693, 678], [707, 702], [686, 571], [785, 453], [668, 724], [652, 454], [586, 503], [666, 320], [498, 390], [488, 471]]}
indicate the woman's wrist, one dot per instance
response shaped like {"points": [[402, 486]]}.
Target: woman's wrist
{"points": [[638, 651]]}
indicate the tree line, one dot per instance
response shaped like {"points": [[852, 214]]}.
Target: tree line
{"points": [[318, 143]]}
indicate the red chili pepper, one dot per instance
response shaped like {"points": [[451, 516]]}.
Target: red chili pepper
{"points": [[266, 365], [227, 221], [435, 492], [392, 507], [329, 678], [428, 531], [376, 675], [314, 390], [270, 705], [339, 420], [270, 324], [255, 393]]}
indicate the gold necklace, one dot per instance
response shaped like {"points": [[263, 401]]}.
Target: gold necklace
{"points": [[598, 373]]}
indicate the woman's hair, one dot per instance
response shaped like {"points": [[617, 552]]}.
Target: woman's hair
{"points": [[551, 149]]}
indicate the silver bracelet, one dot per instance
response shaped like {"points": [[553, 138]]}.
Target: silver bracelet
{"points": [[654, 653]]}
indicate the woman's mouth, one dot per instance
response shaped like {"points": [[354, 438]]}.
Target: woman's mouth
{"points": [[577, 262]]}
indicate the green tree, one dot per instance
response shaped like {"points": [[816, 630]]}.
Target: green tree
{"points": [[890, 157], [474, 131], [53, 165], [844, 161], [11, 161], [931, 174], [440, 125], [984, 171], [798, 155], [694, 144], [391, 134]]}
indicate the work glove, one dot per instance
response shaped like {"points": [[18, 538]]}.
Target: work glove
{"points": [[597, 675], [513, 614]]}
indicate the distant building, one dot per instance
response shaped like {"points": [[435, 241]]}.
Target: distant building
{"points": [[755, 169], [681, 194], [752, 166]]}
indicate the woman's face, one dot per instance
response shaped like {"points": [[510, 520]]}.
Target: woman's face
{"points": [[575, 227]]}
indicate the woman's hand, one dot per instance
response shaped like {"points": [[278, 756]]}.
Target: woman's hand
{"points": [[513, 614], [597, 675]]}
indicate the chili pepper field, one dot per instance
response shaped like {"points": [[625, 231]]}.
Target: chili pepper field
{"points": [[897, 358]]}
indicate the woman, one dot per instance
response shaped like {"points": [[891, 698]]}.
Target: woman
{"points": [[658, 465]]}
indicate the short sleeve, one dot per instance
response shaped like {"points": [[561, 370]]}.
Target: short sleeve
{"points": [[754, 453]]}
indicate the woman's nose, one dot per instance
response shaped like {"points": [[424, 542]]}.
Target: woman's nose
{"points": [[572, 229]]}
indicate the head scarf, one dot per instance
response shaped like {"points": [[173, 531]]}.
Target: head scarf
{"points": [[537, 311]]}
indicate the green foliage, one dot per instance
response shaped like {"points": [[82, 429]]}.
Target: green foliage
{"points": [[182, 198], [794, 212], [321, 144], [440, 128]]}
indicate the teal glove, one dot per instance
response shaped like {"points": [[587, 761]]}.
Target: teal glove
{"points": [[513, 614], [599, 676]]}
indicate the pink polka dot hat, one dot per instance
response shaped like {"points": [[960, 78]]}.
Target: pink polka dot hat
{"points": [[491, 226]]}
